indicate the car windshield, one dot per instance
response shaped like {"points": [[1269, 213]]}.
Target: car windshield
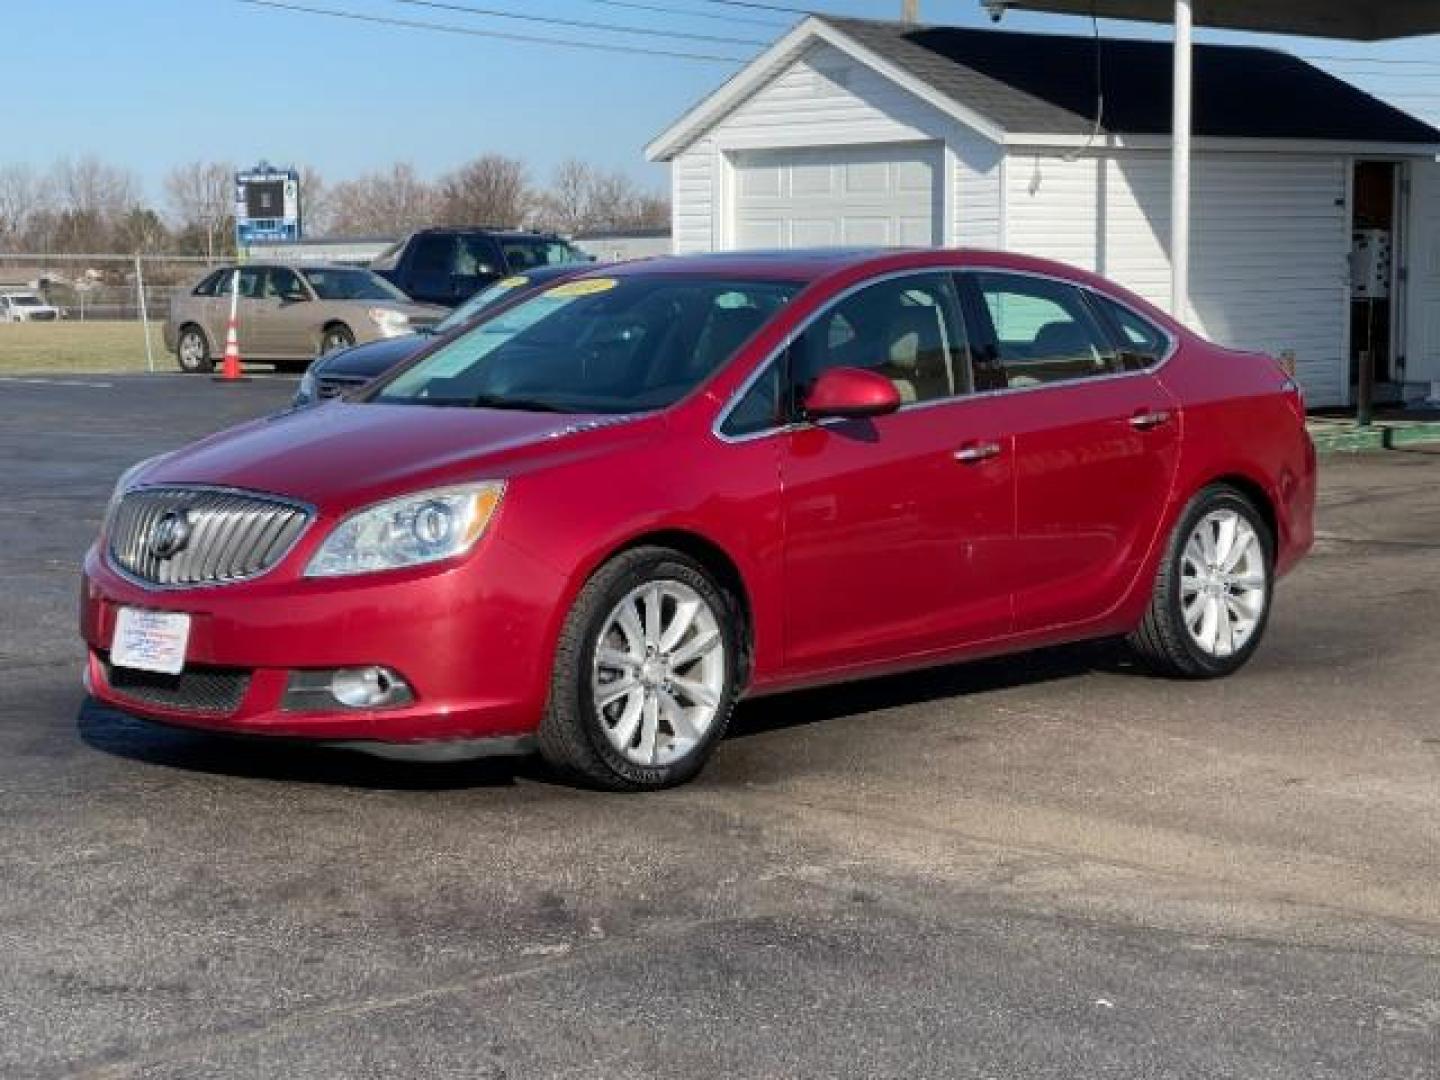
{"points": [[484, 300], [596, 344], [350, 283], [521, 253]]}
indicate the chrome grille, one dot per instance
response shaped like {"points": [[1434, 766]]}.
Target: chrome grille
{"points": [[232, 535]]}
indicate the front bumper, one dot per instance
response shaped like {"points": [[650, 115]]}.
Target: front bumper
{"points": [[473, 640]]}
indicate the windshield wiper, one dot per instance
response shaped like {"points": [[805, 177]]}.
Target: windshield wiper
{"points": [[498, 401]]}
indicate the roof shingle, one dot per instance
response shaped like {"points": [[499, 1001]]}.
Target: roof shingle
{"points": [[1046, 84]]}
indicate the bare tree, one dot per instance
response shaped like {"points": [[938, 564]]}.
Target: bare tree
{"points": [[315, 202], [202, 198], [383, 203], [490, 190], [140, 231], [22, 199], [91, 200], [565, 206], [88, 185], [582, 198]]}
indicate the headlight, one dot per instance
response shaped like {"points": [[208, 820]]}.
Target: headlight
{"points": [[390, 323], [308, 390], [409, 531]]}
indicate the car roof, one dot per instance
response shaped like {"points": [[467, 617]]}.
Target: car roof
{"points": [[487, 230], [812, 264], [266, 264]]}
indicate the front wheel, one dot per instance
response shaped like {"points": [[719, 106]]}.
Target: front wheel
{"points": [[1212, 594], [335, 338], [192, 351], [645, 674]]}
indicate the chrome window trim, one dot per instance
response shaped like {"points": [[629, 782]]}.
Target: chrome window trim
{"points": [[1172, 340], [310, 511]]}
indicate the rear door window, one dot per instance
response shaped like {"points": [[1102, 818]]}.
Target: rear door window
{"points": [[1041, 331], [281, 283]]}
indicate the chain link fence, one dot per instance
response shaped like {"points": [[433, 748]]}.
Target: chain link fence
{"points": [[111, 309], [103, 288]]}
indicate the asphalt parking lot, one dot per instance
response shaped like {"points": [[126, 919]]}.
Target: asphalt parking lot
{"points": [[1048, 866]]}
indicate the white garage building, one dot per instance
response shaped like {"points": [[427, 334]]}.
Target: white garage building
{"points": [[855, 132]]}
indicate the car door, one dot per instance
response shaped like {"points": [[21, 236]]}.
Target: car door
{"points": [[895, 527], [432, 263], [249, 324], [285, 317], [1096, 444]]}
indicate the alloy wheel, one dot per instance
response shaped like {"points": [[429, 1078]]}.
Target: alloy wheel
{"points": [[659, 673], [192, 350], [1223, 583]]}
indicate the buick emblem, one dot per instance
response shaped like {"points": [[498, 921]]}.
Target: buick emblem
{"points": [[171, 534]]}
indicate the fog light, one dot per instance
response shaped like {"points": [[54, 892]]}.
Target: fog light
{"points": [[368, 687], [372, 687]]}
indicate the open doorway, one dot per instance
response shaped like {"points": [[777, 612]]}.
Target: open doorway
{"points": [[1375, 243]]}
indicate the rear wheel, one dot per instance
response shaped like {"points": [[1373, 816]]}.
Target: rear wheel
{"points": [[645, 674], [1212, 594], [192, 350], [338, 336]]}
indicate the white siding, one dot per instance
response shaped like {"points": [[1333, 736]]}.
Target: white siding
{"points": [[1422, 298], [1268, 265], [825, 98], [693, 198]]}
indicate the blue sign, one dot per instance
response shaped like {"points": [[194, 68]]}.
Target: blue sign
{"points": [[267, 206]]}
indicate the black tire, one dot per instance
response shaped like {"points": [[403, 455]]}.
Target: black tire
{"points": [[571, 737], [192, 351], [1163, 641], [337, 336]]}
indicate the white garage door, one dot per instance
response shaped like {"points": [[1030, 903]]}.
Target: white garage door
{"points": [[838, 195]]}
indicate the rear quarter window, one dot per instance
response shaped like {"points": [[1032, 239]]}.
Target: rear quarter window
{"points": [[1140, 343]]}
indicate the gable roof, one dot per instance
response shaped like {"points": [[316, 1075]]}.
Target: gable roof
{"points": [[1010, 84]]}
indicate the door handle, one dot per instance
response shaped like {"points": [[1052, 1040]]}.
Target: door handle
{"points": [[977, 452], [1149, 419]]}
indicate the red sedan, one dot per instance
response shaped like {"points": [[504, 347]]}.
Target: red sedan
{"points": [[592, 523]]}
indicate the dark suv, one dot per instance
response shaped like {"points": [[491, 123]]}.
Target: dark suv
{"points": [[447, 266]]}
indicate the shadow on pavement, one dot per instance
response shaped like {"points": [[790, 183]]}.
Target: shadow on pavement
{"points": [[296, 761], [933, 684], [289, 760]]}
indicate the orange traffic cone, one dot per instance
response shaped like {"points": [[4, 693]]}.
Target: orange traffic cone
{"points": [[230, 366]]}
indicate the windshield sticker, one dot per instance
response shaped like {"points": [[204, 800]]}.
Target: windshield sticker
{"points": [[584, 287]]}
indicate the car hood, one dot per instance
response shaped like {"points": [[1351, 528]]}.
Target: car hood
{"points": [[341, 455], [371, 359]]}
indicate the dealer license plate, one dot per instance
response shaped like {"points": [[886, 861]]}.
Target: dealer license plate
{"points": [[150, 640]]}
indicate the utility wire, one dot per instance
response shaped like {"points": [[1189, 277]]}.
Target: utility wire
{"points": [[757, 6], [580, 24], [729, 17], [447, 28]]}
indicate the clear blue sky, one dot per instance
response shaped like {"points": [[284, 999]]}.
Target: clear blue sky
{"points": [[149, 83]]}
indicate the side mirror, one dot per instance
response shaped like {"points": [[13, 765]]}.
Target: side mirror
{"points": [[852, 394], [296, 297]]}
